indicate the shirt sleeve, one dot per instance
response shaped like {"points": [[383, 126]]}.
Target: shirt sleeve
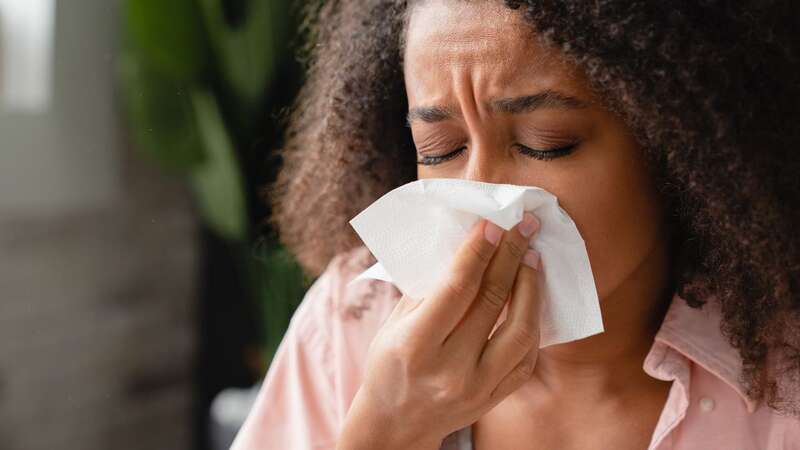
{"points": [[296, 405]]}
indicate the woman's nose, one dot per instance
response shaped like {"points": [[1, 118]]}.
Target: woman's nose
{"points": [[490, 164]]}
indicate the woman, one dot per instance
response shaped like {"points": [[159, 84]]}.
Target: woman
{"points": [[666, 129]]}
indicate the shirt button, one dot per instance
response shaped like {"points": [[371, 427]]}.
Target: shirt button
{"points": [[706, 404]]}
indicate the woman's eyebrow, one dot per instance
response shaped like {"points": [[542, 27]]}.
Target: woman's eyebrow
{"points": [[528, 103], [512, 105]]}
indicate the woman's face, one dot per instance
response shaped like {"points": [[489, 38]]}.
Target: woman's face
{"points": [[487, 103]]}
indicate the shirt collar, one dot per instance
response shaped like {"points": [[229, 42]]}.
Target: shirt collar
{"points": [[694, 333]]}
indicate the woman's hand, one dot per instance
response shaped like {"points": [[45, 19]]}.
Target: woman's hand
{"points": [[432, 368]]}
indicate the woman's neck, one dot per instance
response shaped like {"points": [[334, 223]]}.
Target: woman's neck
{"points": [[610, 363]]}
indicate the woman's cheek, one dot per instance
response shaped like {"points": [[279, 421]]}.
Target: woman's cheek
{"points": [[617, 218]]}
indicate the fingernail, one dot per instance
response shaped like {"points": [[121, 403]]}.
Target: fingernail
{"points": [[492, 232], [529, 224], [531, 258]]}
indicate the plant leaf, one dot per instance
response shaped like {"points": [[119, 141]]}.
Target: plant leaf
{"points": [[218, 183], [161, 116], [169, 37], [248, 54]]}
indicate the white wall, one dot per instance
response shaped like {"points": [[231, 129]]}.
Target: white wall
{"points": [[65, 155]]}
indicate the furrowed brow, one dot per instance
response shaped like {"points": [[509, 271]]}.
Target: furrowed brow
{"points": [[429, 114], [512, 105], [530, 103]]}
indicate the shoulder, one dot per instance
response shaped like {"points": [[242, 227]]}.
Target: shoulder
{"points": [[716, 412], [691, 349], [332, 301], [318, 366], [337, 321], [341, 319]]}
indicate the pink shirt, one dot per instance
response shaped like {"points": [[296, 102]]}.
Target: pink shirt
{"points": [[319, 364]]}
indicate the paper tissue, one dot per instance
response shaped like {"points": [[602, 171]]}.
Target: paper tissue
{"points": [[415, 230]]}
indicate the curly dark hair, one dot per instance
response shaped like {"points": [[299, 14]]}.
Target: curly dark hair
{"points": [[708, 87]]}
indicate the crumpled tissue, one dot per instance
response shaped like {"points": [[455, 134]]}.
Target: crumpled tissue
{"points": [[415, 230]]}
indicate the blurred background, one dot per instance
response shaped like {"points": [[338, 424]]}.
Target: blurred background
{"points": [[142, 293]]}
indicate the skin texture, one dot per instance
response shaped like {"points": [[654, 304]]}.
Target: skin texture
{"points": [[460, 58]]}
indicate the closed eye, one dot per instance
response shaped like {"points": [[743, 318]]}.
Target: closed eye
{"points": [[543, 155]]}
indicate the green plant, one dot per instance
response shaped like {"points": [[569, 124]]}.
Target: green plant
{"points": [[197, 87]]}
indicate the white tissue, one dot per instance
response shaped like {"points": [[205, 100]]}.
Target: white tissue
{"points": [[415, 230]]}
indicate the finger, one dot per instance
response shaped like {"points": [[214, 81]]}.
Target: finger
{"points": [[404, 306], [519, 333], [442, 311], [521, 373], [496, 286]]}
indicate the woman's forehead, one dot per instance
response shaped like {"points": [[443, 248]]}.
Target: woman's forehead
{"points": [[474, 27], [484, 44]]}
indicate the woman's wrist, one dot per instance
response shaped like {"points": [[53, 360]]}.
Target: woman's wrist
{"points": [[367, 428]]}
